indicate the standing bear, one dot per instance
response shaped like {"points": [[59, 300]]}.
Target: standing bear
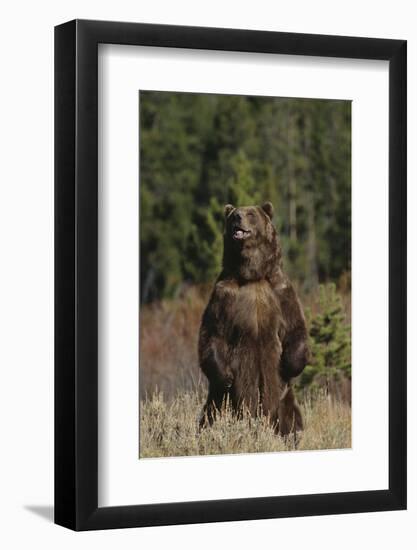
{"points": [[253, 336]]}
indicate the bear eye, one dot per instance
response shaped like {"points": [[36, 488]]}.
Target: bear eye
{"points": [[251, 215]]}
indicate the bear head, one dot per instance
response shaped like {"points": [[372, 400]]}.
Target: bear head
{"points": [[251, 245]]}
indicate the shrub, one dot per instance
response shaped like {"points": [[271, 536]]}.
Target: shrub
{"points": [[170, 428], [330, 344]]}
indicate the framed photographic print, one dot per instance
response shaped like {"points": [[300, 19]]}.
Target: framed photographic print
{"points": [[230, 254]]}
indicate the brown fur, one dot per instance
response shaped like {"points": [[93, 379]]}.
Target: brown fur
{"points": [[253, 337]]}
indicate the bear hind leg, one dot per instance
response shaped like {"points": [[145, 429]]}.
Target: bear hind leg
{"points": [[290, 417], [213, 406]]}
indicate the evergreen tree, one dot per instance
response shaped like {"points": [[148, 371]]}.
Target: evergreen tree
{"points": [[241, 186], [329, 336], [201, 151], [203, 255]]}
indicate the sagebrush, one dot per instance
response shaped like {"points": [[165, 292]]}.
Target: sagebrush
{"points": [[170, 428]]}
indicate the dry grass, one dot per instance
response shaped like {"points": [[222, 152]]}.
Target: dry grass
{"points": [[168, 344], [170, 429]]}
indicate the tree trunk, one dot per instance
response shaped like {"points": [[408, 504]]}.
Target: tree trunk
{"points": [[292, 184]]}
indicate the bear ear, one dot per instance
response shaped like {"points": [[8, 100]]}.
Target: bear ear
{"points": [[268, 209], [228, 208]]}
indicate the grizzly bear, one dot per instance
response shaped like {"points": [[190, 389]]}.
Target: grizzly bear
{"points": [[253, 336]]}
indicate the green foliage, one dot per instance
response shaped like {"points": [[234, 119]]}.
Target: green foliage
{"points": [[330, 343], [241, 184], [201, 151], [203, 253]]}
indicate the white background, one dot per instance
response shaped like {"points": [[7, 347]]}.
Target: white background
{"points": [[26, 287], [123, 479]]}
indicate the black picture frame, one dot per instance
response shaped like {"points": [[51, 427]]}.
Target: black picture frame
{"points": [[76, 272]]}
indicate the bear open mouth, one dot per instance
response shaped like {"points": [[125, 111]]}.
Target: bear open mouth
{"points": [[240, 234]]}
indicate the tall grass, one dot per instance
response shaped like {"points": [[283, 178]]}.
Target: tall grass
{"points": [[171, 429]]}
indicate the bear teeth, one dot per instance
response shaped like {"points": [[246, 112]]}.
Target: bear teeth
{"points": [[240, 234]]}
